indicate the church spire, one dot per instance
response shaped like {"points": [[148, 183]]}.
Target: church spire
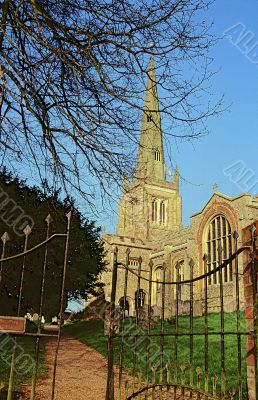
{"points": [[150, 159]]}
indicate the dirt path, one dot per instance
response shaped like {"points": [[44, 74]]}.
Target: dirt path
{"points": [[81, 373]]}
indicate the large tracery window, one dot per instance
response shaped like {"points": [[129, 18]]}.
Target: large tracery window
{"points": [[219, 236]]}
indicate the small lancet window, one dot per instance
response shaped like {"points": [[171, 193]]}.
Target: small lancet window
{"points": [[157, 278], [157, 155], [134, 262], [154, 211], [162, 216], [139, 298], [149, 118]]}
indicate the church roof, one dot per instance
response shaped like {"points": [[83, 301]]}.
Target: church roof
{"points": [[223, 196]]}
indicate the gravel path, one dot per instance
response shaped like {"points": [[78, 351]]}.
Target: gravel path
{"points": [[82, 375], [81, 372]]}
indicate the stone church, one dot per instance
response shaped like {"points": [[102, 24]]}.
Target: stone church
{"points": [[150, 226]]}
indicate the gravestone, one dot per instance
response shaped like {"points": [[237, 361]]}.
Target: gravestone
{"points": [[35, 317], [144, 319]]}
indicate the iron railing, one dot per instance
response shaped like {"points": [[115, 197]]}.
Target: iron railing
{"points": [[39, 333], [172, 371]]}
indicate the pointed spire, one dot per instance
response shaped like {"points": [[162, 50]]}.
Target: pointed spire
{"points": [[150, 159]]}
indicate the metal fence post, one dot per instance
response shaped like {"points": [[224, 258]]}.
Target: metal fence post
{"points": [[255, 303], [110, 376]]}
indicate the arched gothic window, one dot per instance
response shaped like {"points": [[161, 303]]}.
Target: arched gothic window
{"points": [[219, 235], [157, 156], [139, 298], [162, 213], [154, 211], [159, 212], [157, 277], [149, 118], [134, 262], [180, 277], [125, 306]]}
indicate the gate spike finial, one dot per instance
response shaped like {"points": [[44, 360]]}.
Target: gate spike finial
{"points": [[205, 257], [232, 393], [235, 235], [220, 248], [5, 238], [49, 219], [154, 367], [253, 230], [183, 367], [27, 230], [198, 373], [191, 263], [220, 252], [69, 215]]}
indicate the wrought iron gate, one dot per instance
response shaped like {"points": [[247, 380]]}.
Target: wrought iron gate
{"points": [[175, 358], [12, 328]]}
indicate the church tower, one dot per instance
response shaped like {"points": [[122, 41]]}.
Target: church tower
{"points": [[150, 207]]}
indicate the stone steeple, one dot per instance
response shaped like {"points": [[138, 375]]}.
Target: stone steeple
{"points": [[150, 160], [150, 208]]}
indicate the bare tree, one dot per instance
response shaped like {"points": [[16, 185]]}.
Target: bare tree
{"points": [[73, 76]]}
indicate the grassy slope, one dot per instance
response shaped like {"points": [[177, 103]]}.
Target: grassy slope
{"points": [[25, 350], [91, 333], [24, 354]]}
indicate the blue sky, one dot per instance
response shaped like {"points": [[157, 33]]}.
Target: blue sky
{"points": [[233, 135], [232, 138]]}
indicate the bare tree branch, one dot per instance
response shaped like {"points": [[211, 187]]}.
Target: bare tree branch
{"points": [[73, 75]]}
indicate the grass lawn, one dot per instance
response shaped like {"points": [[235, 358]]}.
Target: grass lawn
{"points": [[25, 348], [91, 333], [24, 356]]}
